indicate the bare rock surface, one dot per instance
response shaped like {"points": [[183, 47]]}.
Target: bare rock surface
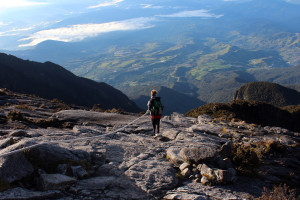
{"points": [[24, 194], [15, 168], [82, 157], [55, 181]]}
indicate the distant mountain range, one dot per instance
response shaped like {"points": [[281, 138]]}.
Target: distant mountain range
{"points": [[52, 81], [203, 49]]}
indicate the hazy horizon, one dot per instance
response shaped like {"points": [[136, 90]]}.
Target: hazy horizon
{"points": [[26, 23]]}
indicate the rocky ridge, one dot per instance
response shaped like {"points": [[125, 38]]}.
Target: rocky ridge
{"points": [[194, 158]]}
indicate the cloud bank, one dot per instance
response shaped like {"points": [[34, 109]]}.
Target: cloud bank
{"points": [[112, 3], [151, 6], [5, 4], [79, 32], [3, 24], [193, 13]]}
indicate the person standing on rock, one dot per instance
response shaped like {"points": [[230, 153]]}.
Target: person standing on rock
{"points": [[155, 107]]}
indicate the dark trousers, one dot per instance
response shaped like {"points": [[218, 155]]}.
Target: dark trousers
{"points": [[155, 124]]}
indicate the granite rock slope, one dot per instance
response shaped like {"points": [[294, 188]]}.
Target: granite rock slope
{"points": [[82, 157]]}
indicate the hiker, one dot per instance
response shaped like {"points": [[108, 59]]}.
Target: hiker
{"points": [[155, 107]]}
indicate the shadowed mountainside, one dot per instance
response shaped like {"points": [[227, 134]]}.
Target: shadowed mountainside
{"points": [[271, 93], [51, 81]]}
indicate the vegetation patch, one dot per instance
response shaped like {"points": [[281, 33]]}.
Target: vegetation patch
{"points": [[15, 115], [24, 107], [279, 192], [3, 92], [44, 123], [4, 185], [248, 157], [245, 159], [97, 108], [115, 110], [60, 105]]}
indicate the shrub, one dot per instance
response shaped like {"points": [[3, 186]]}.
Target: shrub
{"points": [[3, 92], [281, 192], [97, 108], [24, 107], [60, 105], [44, 123], [114, 110], [4, 185], [15, 115], [275, 146], [245, 159]]}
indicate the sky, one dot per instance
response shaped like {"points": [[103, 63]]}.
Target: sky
{"points": [[26, 23]]}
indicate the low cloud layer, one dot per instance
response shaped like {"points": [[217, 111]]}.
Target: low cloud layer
{"points": [[82, 31], [5, 4], [193, 13], [151, 6], [111, 3], [2, 24]]}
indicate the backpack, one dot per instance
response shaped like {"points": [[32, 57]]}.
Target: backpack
{"points": [[157, 107]]}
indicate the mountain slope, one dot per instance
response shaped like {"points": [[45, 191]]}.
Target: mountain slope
{"points": [[49, 80], [271, 93], [172, 100]]}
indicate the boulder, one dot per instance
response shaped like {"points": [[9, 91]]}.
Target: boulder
{"points": [[153, 176], [184, 166], [48, 156], [55, 182], [225, 176], [62, 169], [216, 176], [198, 153], [15, 167], [173, 155], [78, 172], [186, 172], [226, 150], [204, 180], [171, 134], [205, 170]]}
